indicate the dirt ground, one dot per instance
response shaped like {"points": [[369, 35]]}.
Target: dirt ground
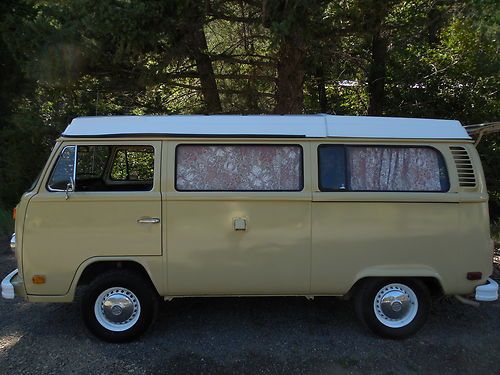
{"points": [[248, 336]]}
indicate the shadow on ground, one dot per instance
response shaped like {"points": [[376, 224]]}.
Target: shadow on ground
{"points": [[247, 336]]}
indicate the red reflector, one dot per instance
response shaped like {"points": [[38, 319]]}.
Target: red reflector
{"points": [[474, 275]]}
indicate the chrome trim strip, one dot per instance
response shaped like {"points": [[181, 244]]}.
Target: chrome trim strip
{"points": [[148, 220]]}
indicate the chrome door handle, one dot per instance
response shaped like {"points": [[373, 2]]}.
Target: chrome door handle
{"points": [[148, 220]]}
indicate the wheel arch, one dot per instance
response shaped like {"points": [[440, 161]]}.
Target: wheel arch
{"points": [[432, 282], [93, 267]]}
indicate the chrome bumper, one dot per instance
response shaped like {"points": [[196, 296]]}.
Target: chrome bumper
{"points": [[8, 291], [487, 292]]}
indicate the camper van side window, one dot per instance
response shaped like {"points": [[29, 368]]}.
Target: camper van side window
{"points": [[133, 164], [332, 171], [382, 168], [238, 168], [114, 168]]}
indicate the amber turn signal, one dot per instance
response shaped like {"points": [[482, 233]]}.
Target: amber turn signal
{"points": [[14, 211], [38, 279]]}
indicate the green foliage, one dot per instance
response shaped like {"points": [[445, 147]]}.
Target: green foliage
{"points": [[133, 165], [489, 150], [495, 230], [63, 59]]}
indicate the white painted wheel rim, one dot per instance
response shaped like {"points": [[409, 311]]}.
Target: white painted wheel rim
{"points": [[117, 309], [395, 305]]}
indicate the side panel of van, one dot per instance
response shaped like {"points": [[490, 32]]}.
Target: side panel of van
{"points": [[207, 255], [60, 234], [379, 234], [380, 239]]}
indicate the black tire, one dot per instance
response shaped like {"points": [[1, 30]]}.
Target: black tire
{"points": [[365, 309], [140, 288]]}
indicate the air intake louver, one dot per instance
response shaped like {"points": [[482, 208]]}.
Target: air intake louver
{"points": [[466, 177]]}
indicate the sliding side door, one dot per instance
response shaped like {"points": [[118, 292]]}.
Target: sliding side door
{"points": [[238, 218]]}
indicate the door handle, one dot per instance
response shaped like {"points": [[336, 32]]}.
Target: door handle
{"points": [[148, 220]]}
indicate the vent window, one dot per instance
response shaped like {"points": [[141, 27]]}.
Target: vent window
{"points": [[466, 176]]}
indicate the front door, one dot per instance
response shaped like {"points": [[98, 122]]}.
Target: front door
{"points": [[114, 210]]}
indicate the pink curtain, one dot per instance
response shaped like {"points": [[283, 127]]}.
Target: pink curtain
{"points": [[394, 168], [235, 167]]}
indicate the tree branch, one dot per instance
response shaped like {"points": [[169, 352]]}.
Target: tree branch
{"points": [[222, 91]]}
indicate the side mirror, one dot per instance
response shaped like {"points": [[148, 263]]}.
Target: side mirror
{"points": [[70, 187]]}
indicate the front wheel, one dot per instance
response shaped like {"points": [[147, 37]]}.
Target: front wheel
{"points": [[119, 306], [393, 309]]}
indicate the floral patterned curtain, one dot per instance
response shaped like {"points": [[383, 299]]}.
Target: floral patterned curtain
{"points": [[394, 169], [239, 168]]}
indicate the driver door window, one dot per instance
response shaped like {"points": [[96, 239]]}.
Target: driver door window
{"points": [[104, 168]]}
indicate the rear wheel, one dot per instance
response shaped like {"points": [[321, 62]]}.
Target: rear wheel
{"points": [[393, 308], [119, 306]]}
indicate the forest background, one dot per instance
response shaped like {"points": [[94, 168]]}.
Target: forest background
{"points": [[66, 58]]}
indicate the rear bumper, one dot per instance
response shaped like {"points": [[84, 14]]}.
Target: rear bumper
{"points": [[487, 292], [13, 286]]}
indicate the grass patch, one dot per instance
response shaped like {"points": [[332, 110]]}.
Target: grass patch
{"points": [[6, 223]]}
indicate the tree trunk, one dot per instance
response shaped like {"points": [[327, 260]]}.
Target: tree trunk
{"points": [[291, 71], [435, 20], [322, 99], [376, 75], [199, 53], [375, 16]]}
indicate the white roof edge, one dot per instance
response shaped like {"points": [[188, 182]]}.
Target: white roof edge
{"points": [[395, 127], [310, 126]]}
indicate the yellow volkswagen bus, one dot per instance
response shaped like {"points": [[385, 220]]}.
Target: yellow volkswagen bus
{"points": [[388, 211]]}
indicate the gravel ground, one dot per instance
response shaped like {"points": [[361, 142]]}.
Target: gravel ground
{"points": [[247, 336]]}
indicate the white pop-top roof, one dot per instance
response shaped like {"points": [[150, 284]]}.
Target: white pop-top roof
{"points": [[316, 126]]}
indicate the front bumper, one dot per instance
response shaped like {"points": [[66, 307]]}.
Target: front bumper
{"points": [[13, 242], [13, 285], [487, 292]]}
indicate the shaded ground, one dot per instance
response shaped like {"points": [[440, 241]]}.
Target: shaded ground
{"points": [[247, 336]]}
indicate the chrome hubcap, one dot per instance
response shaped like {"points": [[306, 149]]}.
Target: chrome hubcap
{"points": [[117, 309], [395, 305]]}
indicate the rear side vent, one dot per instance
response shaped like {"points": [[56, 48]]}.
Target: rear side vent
{"points": [[466, 176]]}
